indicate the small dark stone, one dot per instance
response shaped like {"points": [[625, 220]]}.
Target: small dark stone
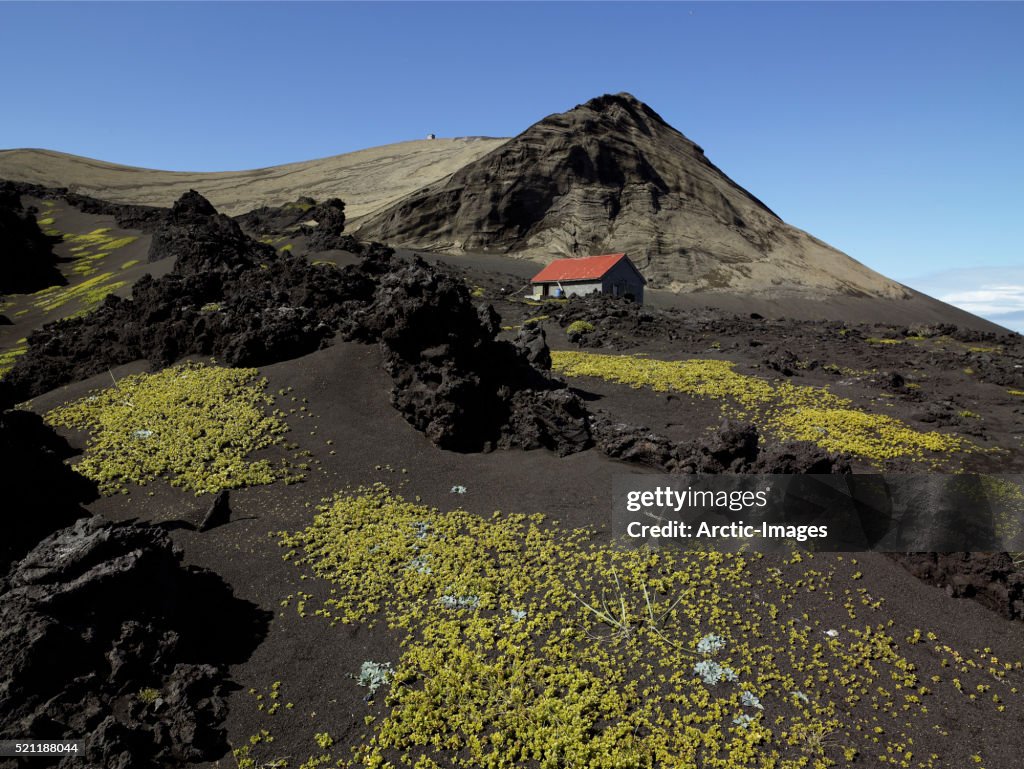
{"points": [[219, 512]]}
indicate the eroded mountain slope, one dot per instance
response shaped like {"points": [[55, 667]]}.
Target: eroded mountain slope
{"points": [[611, 175]]}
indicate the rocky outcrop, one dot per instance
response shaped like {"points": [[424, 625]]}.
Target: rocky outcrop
{"points": [[105, 636], [454, 381], [127, 216], [991, 579], [611, 175], [322, 223], [325, 227], [227, 296], [246, 304], [614, 321], [41, 493], [275, 220], [27, 261], [731, 449], [200, 240]]}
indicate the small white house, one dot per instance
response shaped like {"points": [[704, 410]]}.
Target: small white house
{"points": [[611, 274]]}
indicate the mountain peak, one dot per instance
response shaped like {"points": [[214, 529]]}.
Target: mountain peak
{"points": [[611, 112], [622, 101], [610, 175]]}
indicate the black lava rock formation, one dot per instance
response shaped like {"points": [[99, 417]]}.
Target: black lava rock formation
{"points": [[105, 636], [27, 261], [616, 319], [219, 512], [200, 240], [41, 493], [329, 231], [227, 296], [732, 449], [128, 216], [992, 579], [274, 220], [323, 223], [454, 381], [241, 301]]}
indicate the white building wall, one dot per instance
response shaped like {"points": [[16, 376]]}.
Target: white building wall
{"points": [[570, 289], [581, 289]]}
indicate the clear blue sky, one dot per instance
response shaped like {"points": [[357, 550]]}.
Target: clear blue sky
{"points": [[891, 130]]}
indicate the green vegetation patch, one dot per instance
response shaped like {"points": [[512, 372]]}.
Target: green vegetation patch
{"points": [[87, 295], [579, 327], [91, 248], [788, 411], [192, 424], [9, 357], [523, 644]]}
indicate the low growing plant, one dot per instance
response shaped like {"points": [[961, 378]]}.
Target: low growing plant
{"points": [[195, 425]]}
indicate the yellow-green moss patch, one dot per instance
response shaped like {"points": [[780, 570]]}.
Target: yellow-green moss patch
{"points": [[192, 424], [523, 644], [788, 411], [579, 327], [86, 295], [9, 357]]}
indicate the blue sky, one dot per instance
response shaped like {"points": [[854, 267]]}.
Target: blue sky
{"points": [[891, 130]]}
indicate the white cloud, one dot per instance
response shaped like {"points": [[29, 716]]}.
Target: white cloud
{"points": [[994, 293]]}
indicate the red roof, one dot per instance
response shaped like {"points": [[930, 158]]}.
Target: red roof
{"points": [[581, 268]]}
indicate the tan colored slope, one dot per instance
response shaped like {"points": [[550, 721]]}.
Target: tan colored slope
{"points": [[367, 180]]}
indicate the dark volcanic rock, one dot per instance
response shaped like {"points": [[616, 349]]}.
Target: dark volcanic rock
{"points": [[328, 231], [226, 296], [27, 261], [104, 635], [275, 220], [800, 457], [323, 223], [783, 361], [533, 342], [454, 382], [41, 493], [992, 579], [246, 304], [200, 240], [634, 444], [731, 449], [616, 321], [219, 512], [552, 419], [127, 216]]}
